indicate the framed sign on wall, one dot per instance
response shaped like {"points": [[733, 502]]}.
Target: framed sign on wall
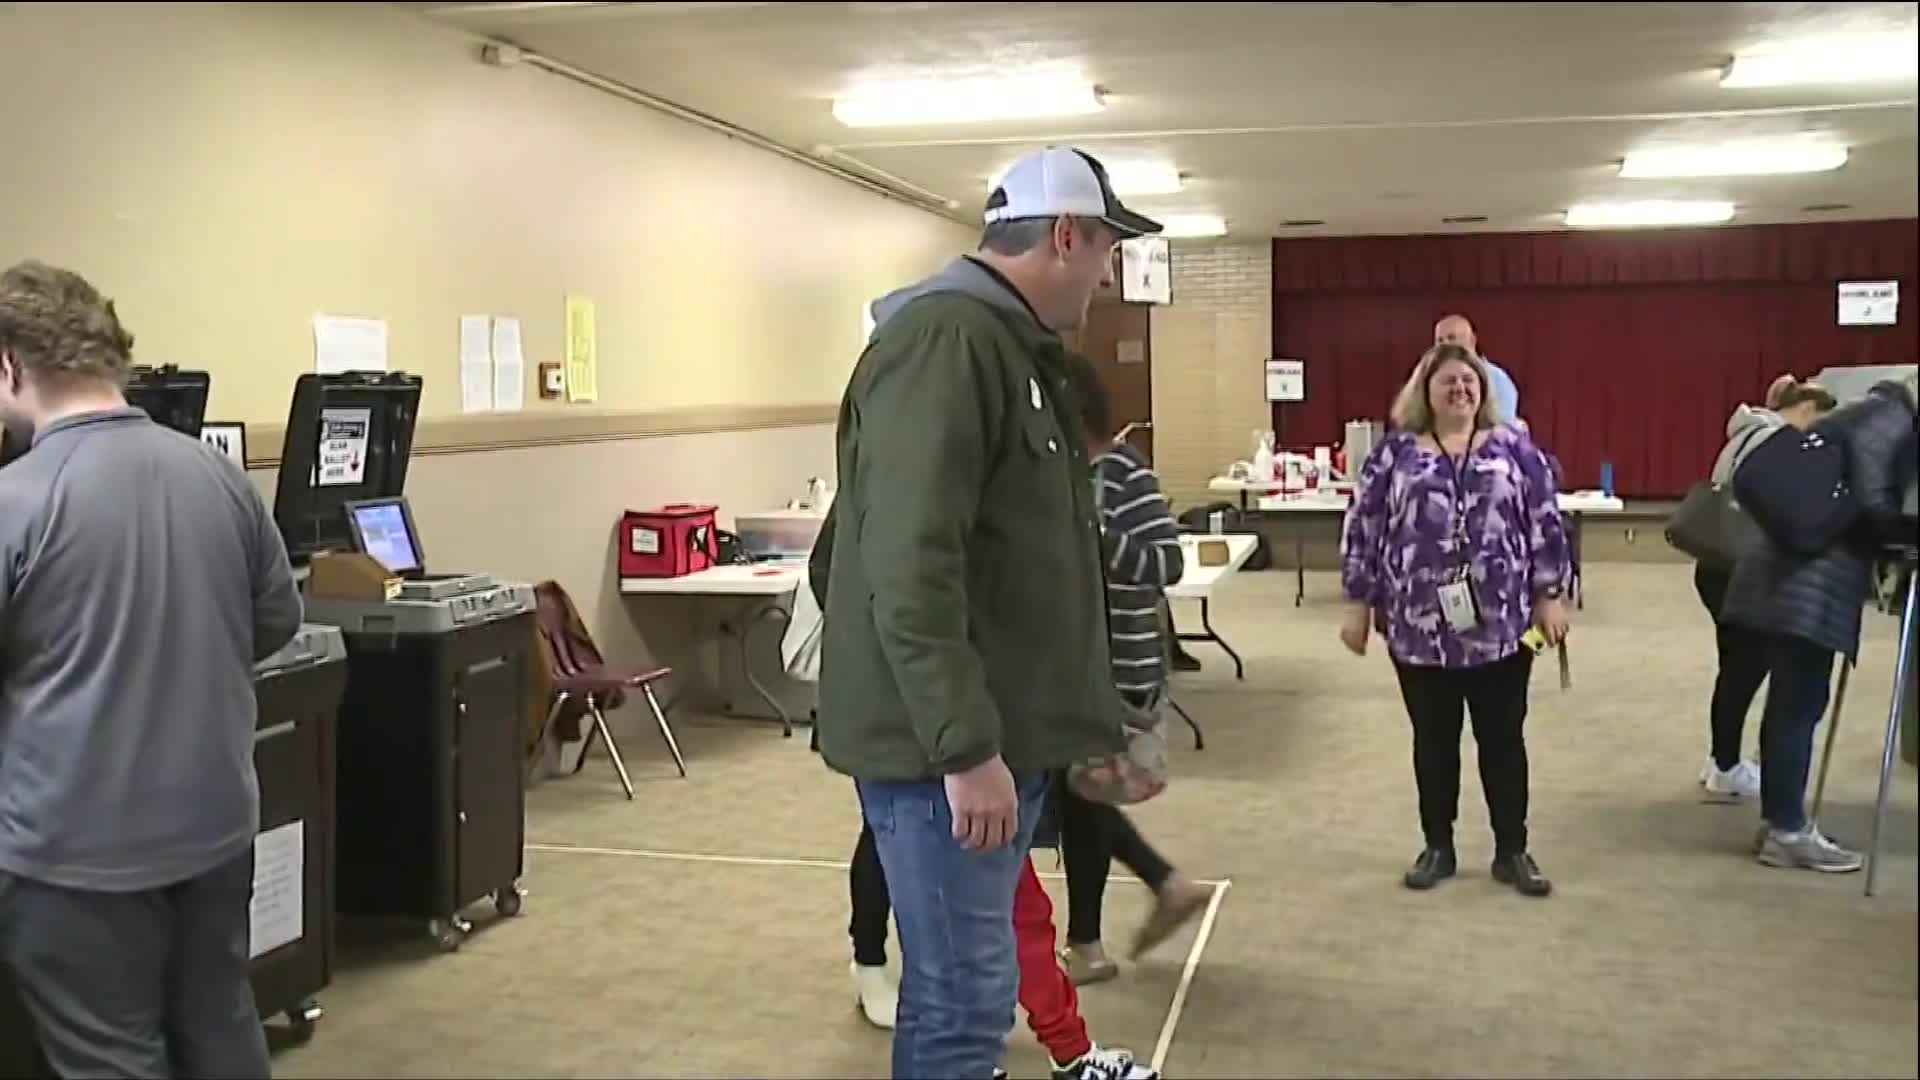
{"points": [[230, 438], [1146, 271]]}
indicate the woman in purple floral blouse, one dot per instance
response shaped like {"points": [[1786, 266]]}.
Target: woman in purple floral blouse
{"points": [[1453, 548]]}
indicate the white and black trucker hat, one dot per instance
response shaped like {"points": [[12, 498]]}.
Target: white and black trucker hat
{"points": [[1061, 180]]}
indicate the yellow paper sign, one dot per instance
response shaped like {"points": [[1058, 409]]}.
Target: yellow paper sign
{"points": [[582, 364]]}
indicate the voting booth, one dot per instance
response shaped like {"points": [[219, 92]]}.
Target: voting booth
{"points": [[430, 729]]}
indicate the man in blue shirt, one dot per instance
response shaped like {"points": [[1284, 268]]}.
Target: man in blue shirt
{"points": [[1456, 330]]}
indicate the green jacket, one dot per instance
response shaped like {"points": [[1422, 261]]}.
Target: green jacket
{"points": [[960, 568]]}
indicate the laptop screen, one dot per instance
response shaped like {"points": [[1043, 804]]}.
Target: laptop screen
{"points": [[385, 532]]}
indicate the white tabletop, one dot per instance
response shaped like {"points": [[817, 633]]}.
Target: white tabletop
{"points": [[759, 579], [1573, 502], [1222, 483], [1198, 582]]}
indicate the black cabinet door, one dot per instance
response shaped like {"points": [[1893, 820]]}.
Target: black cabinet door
{"points": [[489, 697]]}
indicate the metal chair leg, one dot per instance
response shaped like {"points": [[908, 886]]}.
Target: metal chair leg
{"points": [[666, 729], [539, 754], [613, 751]]}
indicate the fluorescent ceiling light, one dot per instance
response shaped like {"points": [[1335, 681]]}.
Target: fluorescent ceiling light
{"points": [[1130, 179], [1193, 226], [1627, 215], [1880, 57], [1758, 157], [967, 101]]}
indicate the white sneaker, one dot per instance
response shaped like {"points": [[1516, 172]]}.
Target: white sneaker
{"points": [[1808, 849], [875, 993], [1731, 786]]}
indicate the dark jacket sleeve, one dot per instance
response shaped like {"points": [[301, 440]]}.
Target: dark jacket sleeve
{"points": [[820, 561], [1881, 444], [930, 411]]}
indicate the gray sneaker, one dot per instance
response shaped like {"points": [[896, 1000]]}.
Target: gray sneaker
{"points": [[1808, 850]]}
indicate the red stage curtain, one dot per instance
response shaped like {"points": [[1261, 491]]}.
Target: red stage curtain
{"points": [[1628, 347]]}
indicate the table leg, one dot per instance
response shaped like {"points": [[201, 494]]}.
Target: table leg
{"points": [[1199, 740], [1299, 560], [1579, 571], [766, 612], [1209, 634], [1902, 671]]}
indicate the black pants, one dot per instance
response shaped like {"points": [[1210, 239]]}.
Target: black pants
{"points": [[1742, 664], [1802, 673], [871, 903], [138, 984], [1092, 835], [1496, 696]]}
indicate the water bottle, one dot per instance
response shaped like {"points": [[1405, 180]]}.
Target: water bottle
{"points": [[1606, 478]]}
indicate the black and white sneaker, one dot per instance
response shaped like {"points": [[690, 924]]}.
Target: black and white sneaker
{"points": [[1098, 1064]]}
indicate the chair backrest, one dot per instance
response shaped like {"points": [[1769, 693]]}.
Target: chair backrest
{"points": [[568, 643]]}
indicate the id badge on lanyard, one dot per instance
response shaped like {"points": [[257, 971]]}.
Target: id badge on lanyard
{"points": [[1458, 605]]}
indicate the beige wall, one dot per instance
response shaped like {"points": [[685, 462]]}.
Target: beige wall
{"points": [[227, 171], [1209, 349]]}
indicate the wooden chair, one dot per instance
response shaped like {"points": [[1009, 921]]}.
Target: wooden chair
{"points": [[583, 687]]}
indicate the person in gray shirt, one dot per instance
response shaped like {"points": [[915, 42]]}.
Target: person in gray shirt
{"points": [[141, 577]]}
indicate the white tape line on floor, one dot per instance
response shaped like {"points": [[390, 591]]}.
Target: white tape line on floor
{"points": [[1186, 975], [738, 860]]}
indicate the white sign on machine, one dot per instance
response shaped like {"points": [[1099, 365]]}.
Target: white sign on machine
{"points": [[1869, 303], [276, 911], [343, 446]]}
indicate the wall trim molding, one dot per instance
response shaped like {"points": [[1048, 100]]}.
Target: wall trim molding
{"points": [[522, 431]]}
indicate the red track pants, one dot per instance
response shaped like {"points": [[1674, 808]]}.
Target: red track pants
{"points": [[1053, 1009]]}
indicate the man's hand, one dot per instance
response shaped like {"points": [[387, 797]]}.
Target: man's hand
{"points": [[1355, 629], [1551, 616], [985, 806]]}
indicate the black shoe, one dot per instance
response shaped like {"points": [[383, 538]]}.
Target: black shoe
{"points": [[1521, 872], [1185, 661], [1432, 867]]}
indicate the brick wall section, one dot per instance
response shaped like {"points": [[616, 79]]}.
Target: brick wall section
{"points": [[1208, 349]]}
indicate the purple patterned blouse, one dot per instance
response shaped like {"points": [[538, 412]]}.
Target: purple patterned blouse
{"points": [[1399, 545]]}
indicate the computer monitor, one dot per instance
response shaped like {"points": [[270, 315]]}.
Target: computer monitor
{"points": [[174, 398], [383, 529]]}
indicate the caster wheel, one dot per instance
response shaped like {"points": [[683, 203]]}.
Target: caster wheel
{"points": [[302, 1020], [507, 902], [448, 936]]}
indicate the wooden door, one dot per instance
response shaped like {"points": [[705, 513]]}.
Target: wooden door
{"points": [[1115, 338]]}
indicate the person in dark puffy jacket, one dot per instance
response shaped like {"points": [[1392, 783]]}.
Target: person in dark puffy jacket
{"points": [[1809, 608], [1742, 653]]}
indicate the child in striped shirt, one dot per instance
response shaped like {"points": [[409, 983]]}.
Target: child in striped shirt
{"points": [[1143, 557]]}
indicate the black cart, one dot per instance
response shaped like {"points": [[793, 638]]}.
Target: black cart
{"points": [[429, 734]]}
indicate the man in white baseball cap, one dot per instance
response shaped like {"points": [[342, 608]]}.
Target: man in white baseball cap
{"points": [[964, 642]]}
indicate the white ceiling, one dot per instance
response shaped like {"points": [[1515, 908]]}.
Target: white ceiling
{"points": [[1374, 118]]}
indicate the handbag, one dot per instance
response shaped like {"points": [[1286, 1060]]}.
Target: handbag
{"points": [[1710, 526], [1134, 774], [1795, 488]]}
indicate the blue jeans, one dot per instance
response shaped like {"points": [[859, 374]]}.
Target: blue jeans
{"points": [[1798, 674], [954, 909]]}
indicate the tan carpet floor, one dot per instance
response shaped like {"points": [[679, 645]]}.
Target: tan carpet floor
{"points": [[1664, 951]]}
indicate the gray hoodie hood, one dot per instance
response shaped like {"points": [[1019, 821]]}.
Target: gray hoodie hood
{"points": [[1743, 434], [962, 275]]}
